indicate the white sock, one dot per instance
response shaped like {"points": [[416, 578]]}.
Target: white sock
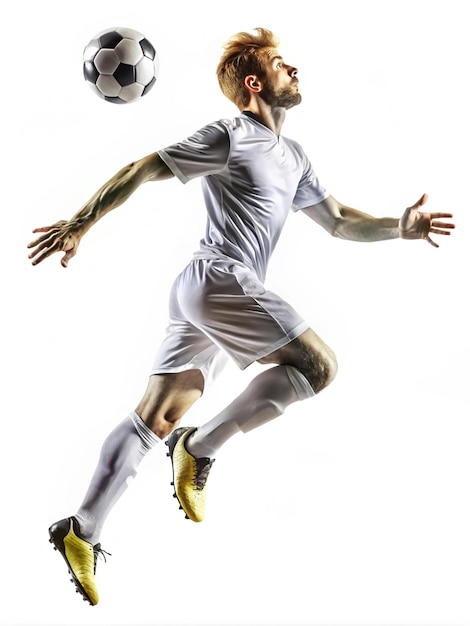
{"points": [[122, 452], [266, 397]]}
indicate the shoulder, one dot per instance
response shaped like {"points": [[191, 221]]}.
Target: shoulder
{"points": [[294, 145], [214, 134], [228, 126], [224, 131]]}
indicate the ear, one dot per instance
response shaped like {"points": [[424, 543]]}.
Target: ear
{"points": [[252, 83]]}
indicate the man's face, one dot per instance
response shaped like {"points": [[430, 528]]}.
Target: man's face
{"points": [[281, 86]]}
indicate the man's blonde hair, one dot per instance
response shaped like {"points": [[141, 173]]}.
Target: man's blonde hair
{"points": [[244, 54]]}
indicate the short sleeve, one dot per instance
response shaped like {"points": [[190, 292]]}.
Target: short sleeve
{"points": [[310, 191], [203, 153]]}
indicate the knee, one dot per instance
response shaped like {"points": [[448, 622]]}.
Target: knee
{"points": [[332, 368], [167, 398], [323, 369]]}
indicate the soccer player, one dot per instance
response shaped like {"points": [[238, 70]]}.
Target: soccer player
{"points": [[252, 177]]}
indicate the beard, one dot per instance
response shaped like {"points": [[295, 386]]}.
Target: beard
{"points": [[282, 98]]}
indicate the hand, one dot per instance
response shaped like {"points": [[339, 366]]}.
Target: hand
{"points": [[415, 224], [62, 236]]}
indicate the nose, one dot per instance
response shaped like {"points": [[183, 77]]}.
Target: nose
{"points": [[293, 72]]}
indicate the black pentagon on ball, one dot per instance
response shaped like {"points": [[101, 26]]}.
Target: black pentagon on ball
{"points": [[147, 48], [115, 100], [148, 87], [125, 74], [92, 45], [110, 39], [90, 72]]}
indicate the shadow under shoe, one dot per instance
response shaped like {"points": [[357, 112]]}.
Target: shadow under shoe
{"points": [[80, 556]]}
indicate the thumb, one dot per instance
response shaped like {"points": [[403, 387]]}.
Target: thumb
{"points": [[67, 256], [421, 201]]}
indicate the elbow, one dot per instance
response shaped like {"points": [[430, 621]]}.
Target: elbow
{"points": [[339, 224], [335, 229]]}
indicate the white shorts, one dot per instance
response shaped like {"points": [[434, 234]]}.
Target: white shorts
{"points": [[218, 309]]}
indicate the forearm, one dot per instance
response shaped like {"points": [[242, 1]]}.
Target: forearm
{"points": [[118, 189], [357, 226], [347, 223], [65, 235]]}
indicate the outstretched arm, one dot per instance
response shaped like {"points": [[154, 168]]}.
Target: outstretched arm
{"points": [[347, 223], [65, 236]]}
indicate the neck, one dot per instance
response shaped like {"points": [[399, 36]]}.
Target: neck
{"points": [[271, 117]]}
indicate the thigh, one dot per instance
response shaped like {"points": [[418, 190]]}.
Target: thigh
{"points": [[231, 306], [309, 354], [186, 347]]}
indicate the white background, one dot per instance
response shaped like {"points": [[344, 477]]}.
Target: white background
{"points": [[352, 508]]}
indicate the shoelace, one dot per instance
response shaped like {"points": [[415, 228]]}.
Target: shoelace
{"points": [[98, 551], [203, 467]]}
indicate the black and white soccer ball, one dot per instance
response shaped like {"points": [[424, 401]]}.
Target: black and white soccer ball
{"points": [[120, 65]]}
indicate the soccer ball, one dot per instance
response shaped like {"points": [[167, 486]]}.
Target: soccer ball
{"points": [[120, 65]]}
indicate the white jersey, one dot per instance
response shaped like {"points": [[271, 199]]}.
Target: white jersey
{"points": [[251, 179]]}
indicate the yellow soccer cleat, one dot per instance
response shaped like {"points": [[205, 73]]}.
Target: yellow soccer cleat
{"points": [[80, 556], [189, 475]]}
